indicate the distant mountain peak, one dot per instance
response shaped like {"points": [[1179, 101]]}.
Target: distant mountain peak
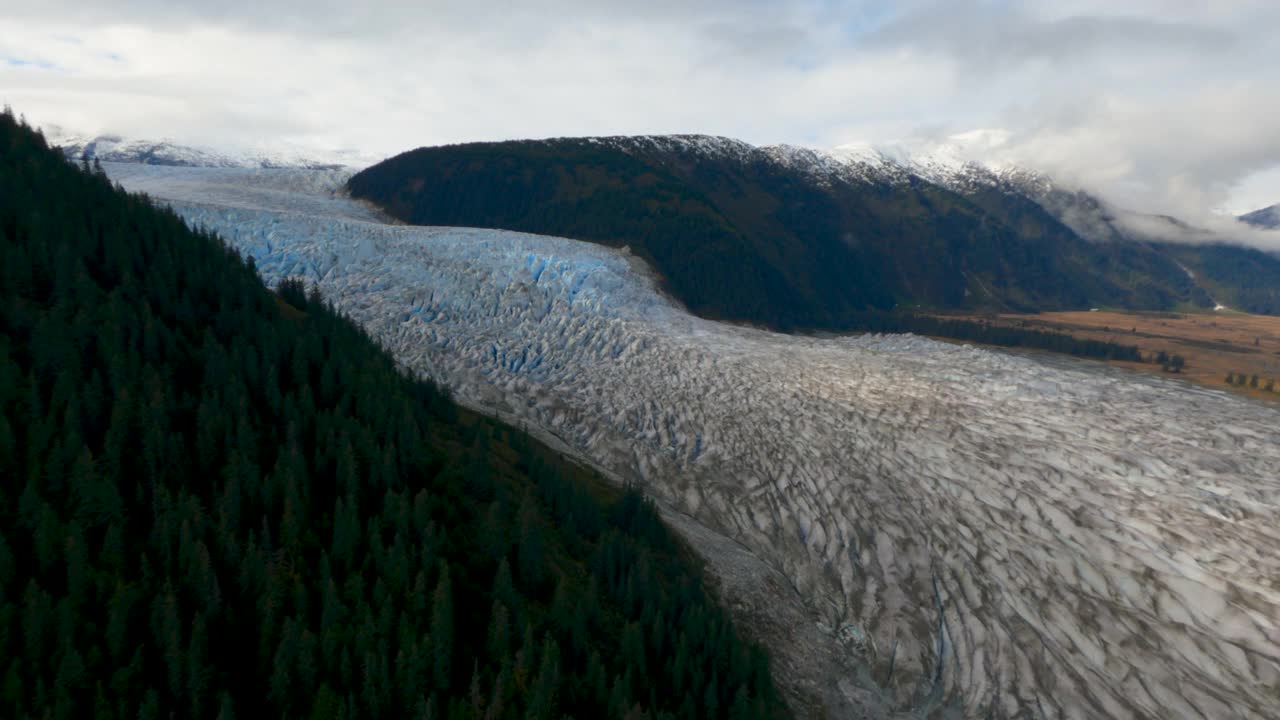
{"points": [[110, 147], [1267, 217]]}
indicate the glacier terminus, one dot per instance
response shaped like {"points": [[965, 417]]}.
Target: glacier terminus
{"points": [[967, 532]]}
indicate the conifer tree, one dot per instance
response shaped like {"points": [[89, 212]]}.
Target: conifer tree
{"points": [[442, 630]]}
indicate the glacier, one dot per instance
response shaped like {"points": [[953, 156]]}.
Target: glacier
{"points": [[969, 532]]}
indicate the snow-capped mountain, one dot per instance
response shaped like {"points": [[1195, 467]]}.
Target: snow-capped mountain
{"points": [[820, 165], [979, 161], [965, 163], [947, 164], [1224, 259], [1267, 217], [972, 162], [114, 148]]}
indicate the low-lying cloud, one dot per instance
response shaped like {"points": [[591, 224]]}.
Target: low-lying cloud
{"points": [[1209, 230], [1167, 107]]}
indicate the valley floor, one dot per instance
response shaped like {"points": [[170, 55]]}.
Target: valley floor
{"points": [[993, 533], [1214, 344]]}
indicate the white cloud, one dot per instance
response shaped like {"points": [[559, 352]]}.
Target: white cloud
{"points": [[1164, 105]]}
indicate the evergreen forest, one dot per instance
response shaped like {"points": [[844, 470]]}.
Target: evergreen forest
{"points": [[225, 501]]}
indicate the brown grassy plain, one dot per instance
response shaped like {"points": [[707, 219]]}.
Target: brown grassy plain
{"points": [[1214, 344]]}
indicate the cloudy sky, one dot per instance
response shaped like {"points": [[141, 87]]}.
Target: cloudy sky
{"points": [[1171, 106]]}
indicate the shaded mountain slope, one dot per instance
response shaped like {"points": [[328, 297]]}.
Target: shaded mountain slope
{"points": [[1215, 268], [1221, 270], [1237, 276], [1240, 278], [1150, 278], [220, 500]]}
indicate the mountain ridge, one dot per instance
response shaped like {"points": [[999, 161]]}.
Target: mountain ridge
{"points": [[1222, 266]]}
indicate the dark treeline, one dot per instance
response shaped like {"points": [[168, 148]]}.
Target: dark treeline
{"points": [[219, 502], [993, 334], [1253, 381]]}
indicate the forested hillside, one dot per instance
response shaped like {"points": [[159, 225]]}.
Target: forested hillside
{"points": [[220, 501], [1242, 278], [762, 236]]}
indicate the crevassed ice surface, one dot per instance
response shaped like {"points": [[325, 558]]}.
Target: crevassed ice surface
{"points": [[1027, 537]]}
